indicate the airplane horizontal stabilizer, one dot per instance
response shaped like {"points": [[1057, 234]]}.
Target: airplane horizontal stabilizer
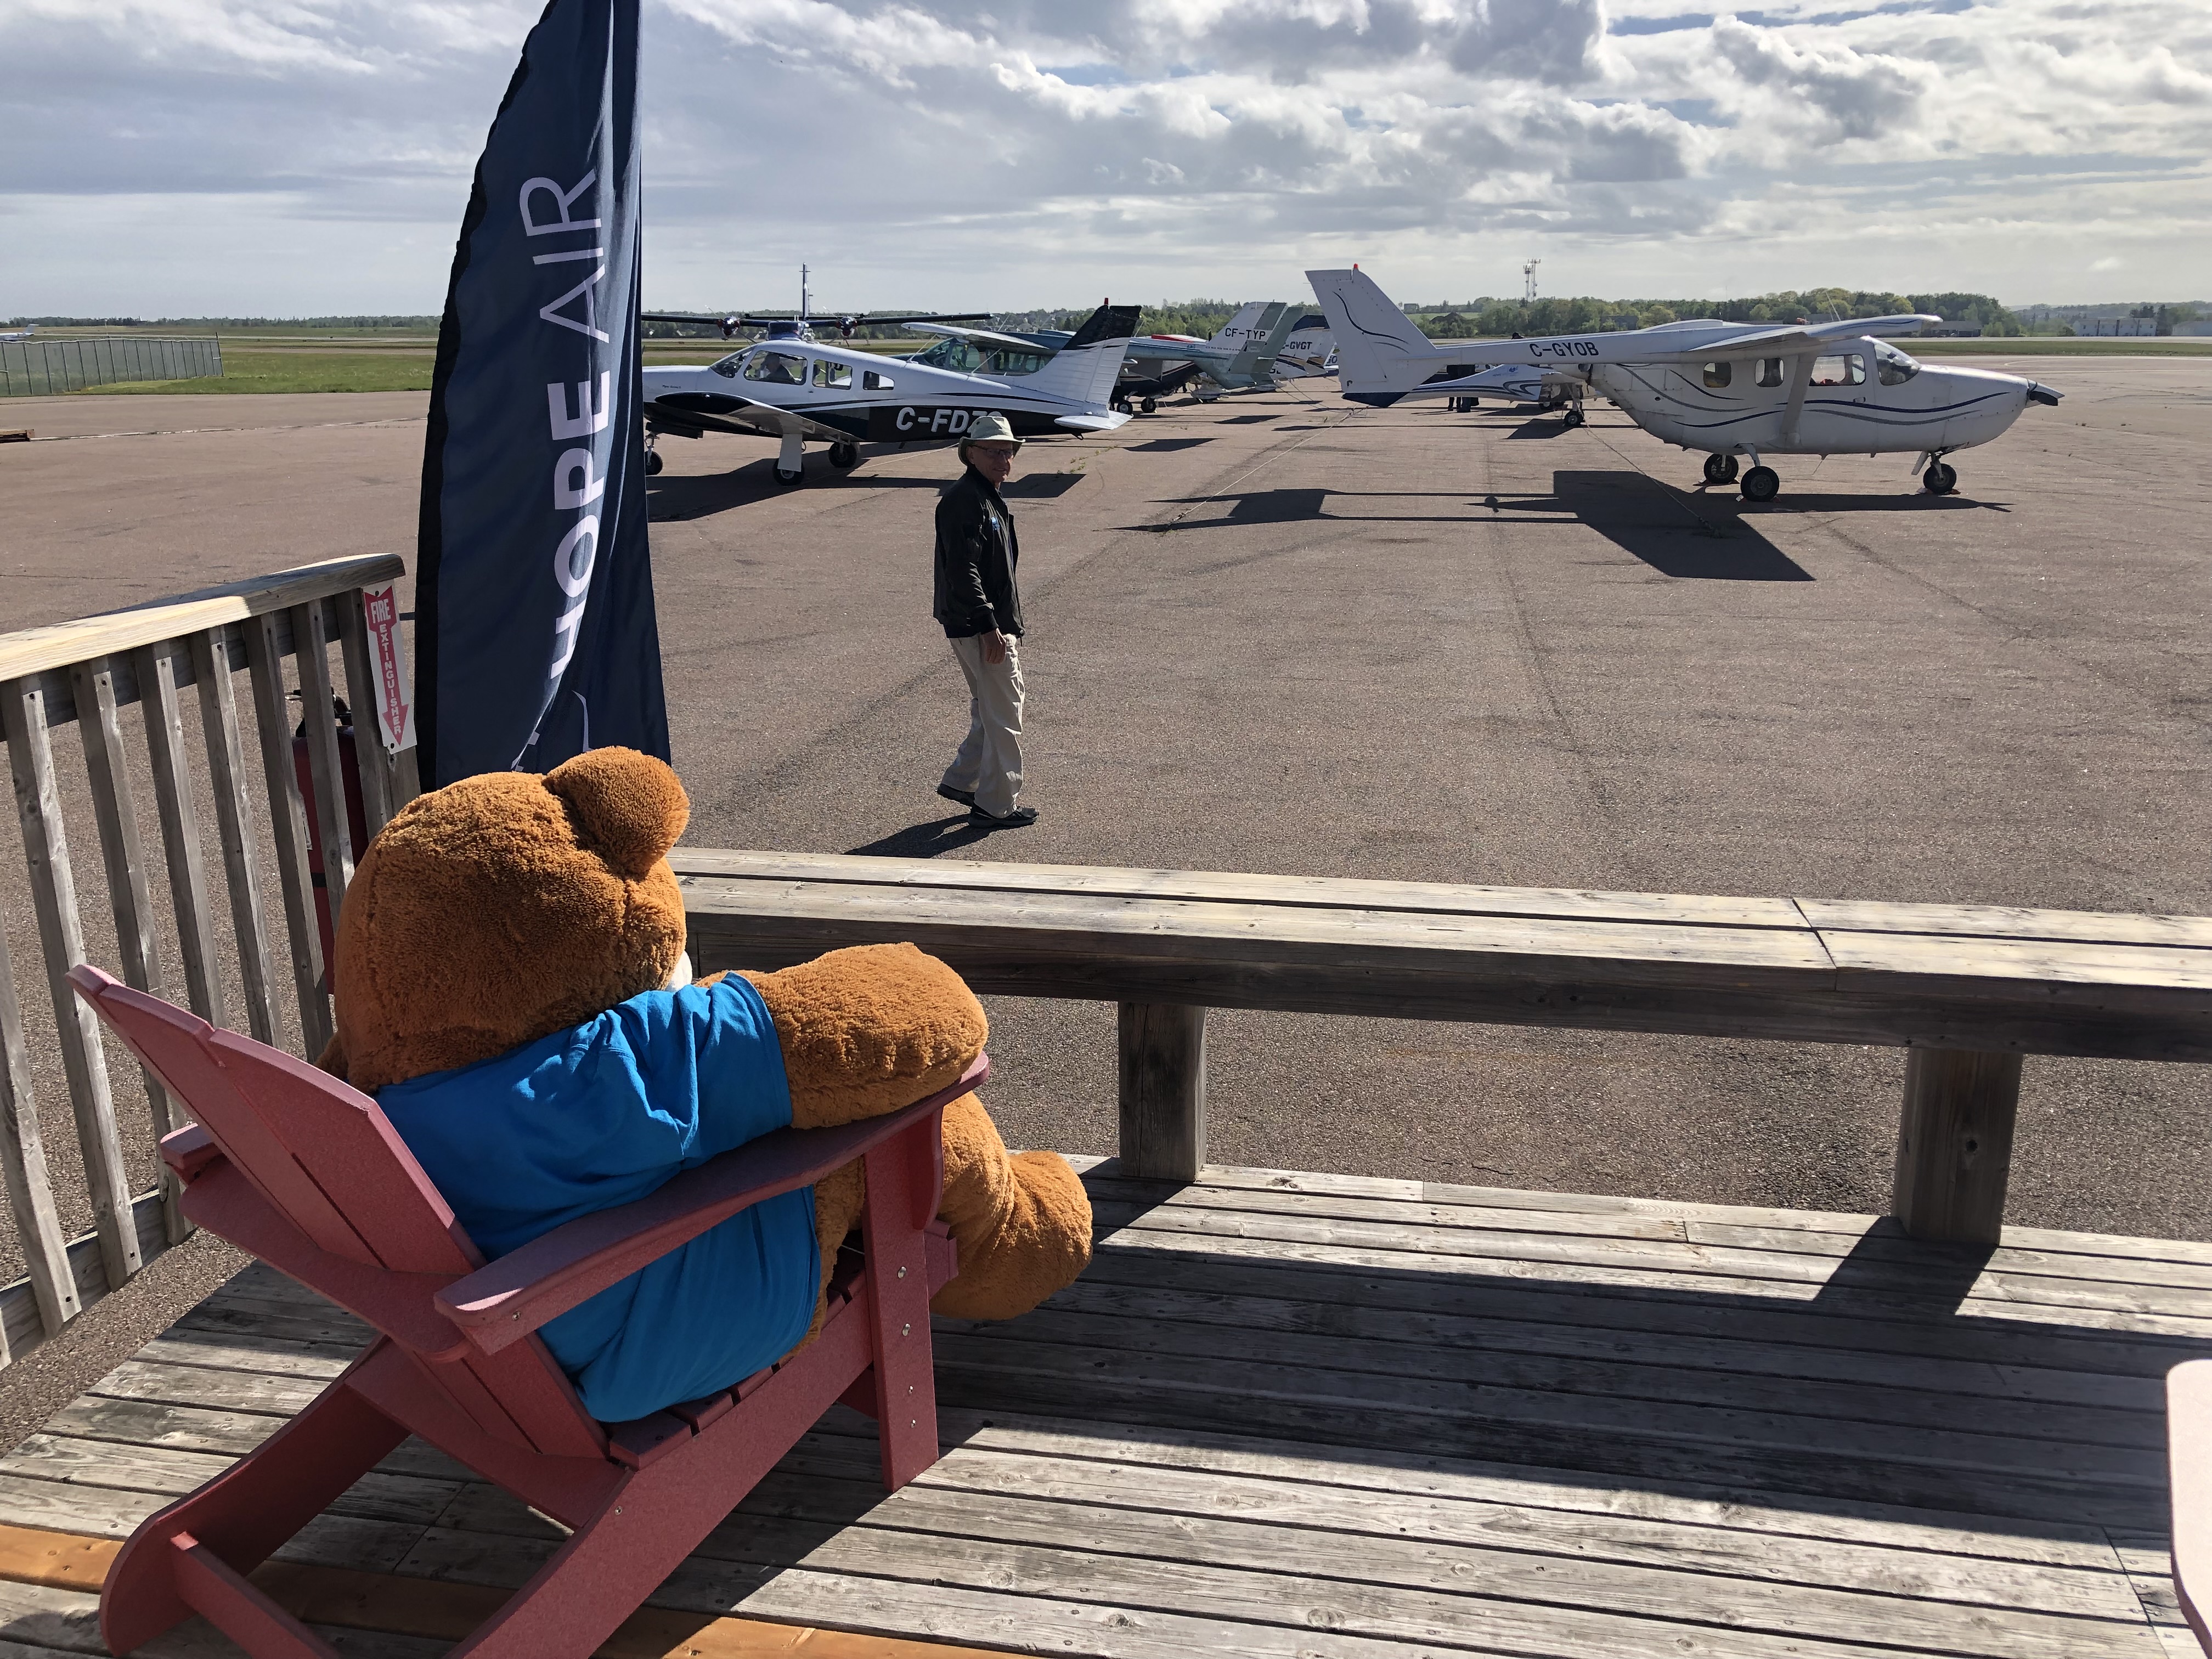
{"points": [[1105, 422]]}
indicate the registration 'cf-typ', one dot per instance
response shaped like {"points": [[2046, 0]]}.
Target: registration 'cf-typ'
{"points": [[1730, 389], [800, 390]]}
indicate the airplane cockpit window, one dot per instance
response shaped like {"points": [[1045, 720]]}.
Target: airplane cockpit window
{"points": [[1770, 372], [1895, 367], [952, 353], [964, 357], [875, 380], [727, 367], [836, 376], [777, 368], [1848, 370], [1719, 374]]}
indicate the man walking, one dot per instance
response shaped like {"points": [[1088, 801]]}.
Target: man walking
{"points": [[981, 609]]}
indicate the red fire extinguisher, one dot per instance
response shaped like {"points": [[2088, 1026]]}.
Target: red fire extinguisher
{"points": [[356, 816]]}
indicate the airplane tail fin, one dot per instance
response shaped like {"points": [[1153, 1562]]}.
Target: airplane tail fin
{"points": [[1264, 339], [1085, 369], [1374, 339], [1238, 328]]}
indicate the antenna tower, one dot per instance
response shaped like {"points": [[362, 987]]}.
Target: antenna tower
{"points": [[1528, 280]]}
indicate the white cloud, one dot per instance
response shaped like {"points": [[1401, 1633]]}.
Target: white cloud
{"points": [[1033, 151]]}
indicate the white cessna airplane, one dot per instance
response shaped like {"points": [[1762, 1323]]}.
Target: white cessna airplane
{"points": [[23, 333], [799, 390], [1730, 389]]}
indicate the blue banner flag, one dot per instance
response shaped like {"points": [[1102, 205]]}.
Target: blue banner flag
{"points": [[535, 636]]}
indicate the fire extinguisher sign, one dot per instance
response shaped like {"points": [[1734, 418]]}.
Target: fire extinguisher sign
{"points": [[395, 710]]}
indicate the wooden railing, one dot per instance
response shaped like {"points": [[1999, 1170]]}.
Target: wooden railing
{"points": [[90, 672], [1967, 991]]}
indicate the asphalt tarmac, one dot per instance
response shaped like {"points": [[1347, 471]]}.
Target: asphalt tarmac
{"points": [[1285, 634]]}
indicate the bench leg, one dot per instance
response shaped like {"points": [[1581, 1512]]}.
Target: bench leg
{"points": [[1954, 1144], [1162, 1090]]}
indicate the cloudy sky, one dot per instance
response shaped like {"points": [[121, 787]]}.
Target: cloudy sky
{"points": [[304, 157]]}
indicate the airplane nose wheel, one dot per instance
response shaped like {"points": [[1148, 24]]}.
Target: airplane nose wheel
{"points": [[1148, 405], [844, 455], [1761, 483], [652, 463], [1720, 469], [1940, 480]]}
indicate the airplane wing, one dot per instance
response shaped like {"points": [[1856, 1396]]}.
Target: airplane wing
{"points": [[725, 410], [980, 336]]}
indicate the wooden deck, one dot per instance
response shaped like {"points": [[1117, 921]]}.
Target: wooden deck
{"points": [[1313, 1417]]}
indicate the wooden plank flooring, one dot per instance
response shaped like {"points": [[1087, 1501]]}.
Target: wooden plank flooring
{"points": [[1295, 1416]]}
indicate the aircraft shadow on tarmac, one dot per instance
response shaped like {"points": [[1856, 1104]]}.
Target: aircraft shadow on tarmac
{"points": [[1697, 537], [673, 497], [1165, 446]]}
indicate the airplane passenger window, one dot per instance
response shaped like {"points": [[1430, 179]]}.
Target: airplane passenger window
{"points": [[1839, 371], [1770, 370], [836, 376], [1719, 374], [871, 381], [1009, 362], [1895, 367], [777, 368]]}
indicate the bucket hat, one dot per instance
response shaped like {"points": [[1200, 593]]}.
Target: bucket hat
{"points": [[990, 428]]}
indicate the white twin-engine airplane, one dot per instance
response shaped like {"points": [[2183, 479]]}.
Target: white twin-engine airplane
{"points": [[1730, 389], [800, 390]]}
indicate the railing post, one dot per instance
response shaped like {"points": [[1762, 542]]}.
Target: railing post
{"points": [[1162, 1051], [1954, 1144]]}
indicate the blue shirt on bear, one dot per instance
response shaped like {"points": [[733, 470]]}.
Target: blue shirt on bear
{"points": [[600, 1115]]}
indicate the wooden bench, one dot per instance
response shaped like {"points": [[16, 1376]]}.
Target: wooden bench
{"points": [[1968, 991]]}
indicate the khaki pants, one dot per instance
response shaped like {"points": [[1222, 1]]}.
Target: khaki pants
{"points": [[989, 763]]}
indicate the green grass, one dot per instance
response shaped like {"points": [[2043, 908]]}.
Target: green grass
{"points": [[301, 371]]}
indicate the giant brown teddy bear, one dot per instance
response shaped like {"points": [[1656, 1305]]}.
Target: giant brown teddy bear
{"points": [[508, 906]]}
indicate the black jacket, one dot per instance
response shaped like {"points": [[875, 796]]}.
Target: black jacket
{"points": [[977, 553]]}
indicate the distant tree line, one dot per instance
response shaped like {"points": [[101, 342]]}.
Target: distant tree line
{"points": [[353, 323]]}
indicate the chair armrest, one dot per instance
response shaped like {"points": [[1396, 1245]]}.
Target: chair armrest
{"points": [[2189, 1441], [504, 1301]]}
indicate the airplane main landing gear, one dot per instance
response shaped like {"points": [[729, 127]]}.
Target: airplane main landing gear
{"points": [[1720, 469], [844, 455], [1761, 483], [1574, 415], [652, 463], [788, 476], [1939, 479], [1150, 405]]}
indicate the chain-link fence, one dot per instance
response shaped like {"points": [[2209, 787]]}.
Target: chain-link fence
{"points": [[31, 369]]}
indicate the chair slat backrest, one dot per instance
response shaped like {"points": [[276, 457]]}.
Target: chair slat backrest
{"points": [[324, 1156]]}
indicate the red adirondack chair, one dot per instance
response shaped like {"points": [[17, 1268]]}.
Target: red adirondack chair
{"points": [[292, 1165]]}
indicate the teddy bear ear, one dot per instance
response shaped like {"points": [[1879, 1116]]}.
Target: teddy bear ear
{"points": [[629, 808]]}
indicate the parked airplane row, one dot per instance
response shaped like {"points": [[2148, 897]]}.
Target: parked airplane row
{"points": [[798, 387], [1739, 392], [1732, 390]]}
